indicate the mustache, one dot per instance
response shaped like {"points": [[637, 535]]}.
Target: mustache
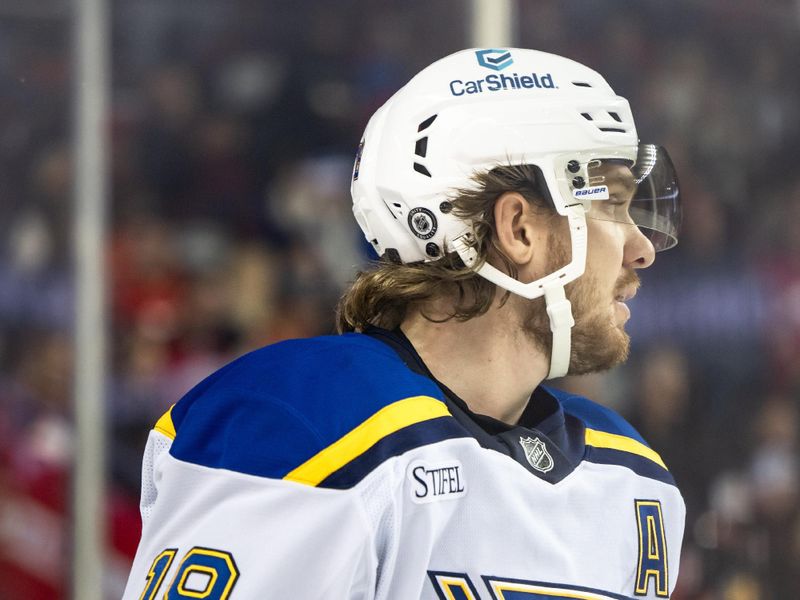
{"points": [[629, 279]]}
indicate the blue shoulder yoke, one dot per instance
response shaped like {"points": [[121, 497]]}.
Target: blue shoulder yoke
{"points": [[271, 410]]}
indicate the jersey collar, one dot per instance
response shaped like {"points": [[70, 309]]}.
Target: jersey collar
{"points": [[548, 443]]}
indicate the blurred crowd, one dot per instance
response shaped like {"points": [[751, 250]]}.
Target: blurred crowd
{"points": [[233, 129]]}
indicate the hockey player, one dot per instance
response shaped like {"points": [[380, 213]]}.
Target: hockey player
{"points": [[418, 454]]}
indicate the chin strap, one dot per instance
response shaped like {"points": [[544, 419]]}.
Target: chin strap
{"points": [[559, 310]]}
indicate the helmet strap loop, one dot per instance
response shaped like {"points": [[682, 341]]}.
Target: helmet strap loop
{"points": [[559, 310]]}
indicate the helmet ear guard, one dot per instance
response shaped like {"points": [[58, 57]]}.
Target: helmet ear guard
{"points": [[464, 114]]}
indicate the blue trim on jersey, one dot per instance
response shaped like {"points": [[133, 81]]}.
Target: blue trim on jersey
{"points": [[638, 464], [271, 410], [408, 438], [596, 416]]}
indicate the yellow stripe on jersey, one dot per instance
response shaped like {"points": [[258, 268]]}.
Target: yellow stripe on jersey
{"points": [[602, 439], [386, 421], [165, 425]]}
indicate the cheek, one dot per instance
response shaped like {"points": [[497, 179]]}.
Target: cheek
{"points": [[604, 251], [607, 237]]}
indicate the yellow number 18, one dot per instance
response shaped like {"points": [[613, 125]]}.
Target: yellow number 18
{"points": [[203, 573]]}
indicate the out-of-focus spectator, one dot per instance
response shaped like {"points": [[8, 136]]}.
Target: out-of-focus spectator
{"points": [[312, 204], [148, 287], [780, 267], [663, 410], [775, 480], [35, 468]]}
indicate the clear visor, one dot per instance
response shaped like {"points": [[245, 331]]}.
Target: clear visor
{"points": [[635, 185]]}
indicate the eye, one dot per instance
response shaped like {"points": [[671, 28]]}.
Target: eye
{"points": [[617, 200], [616, 208]]}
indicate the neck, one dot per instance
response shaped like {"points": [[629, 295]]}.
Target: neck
{"points": [[488, 361]]}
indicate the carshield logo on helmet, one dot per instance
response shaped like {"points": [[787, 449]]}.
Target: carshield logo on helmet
{"points": [[497, 60], [494, 59]]}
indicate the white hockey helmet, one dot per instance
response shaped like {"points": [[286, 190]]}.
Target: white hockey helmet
{"points": [[479, 109]]}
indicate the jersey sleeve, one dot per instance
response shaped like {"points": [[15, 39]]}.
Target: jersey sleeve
{"points": [[217, 533], [270, 478]]}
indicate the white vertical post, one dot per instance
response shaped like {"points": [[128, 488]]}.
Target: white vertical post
{"points": [[492, 23], [90, 47]]}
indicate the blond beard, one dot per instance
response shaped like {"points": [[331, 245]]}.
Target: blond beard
{"points": [[598, 343]]}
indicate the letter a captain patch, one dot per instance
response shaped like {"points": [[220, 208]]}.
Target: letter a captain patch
{"points": [[652, 568]]}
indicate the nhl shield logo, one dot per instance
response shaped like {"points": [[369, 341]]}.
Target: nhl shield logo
{"points": [[537, 454], [422, 223]]}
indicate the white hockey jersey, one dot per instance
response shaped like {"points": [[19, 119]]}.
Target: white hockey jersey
{"points": [[337, 468]]}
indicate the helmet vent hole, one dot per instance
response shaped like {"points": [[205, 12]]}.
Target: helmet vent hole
{"points": [[587, 116], [613, 129], [421, 148], [582, 84], [426, 123], [421, 169], [615, 116]]}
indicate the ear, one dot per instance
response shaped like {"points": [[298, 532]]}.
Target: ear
{"points": [[519, 230]]}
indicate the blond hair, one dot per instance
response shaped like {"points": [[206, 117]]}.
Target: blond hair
{"points": [[383, 294]]}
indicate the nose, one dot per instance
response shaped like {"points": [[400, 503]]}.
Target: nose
{"points": [[639, 252]]}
